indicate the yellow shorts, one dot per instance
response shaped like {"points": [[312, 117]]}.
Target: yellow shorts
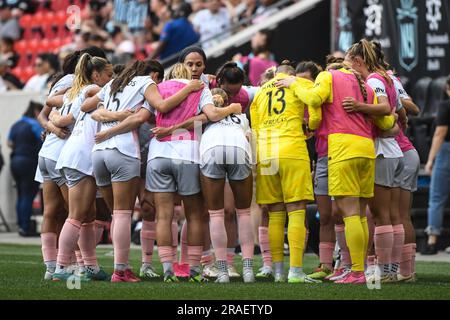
{"points": [[283, 180], [352, 178]]}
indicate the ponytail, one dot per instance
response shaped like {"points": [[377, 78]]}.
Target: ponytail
{"points": [[230, 73], [367, 51]]}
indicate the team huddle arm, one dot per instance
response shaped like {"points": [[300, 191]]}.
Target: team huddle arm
{"points": [[127, 125], [55, 101], [165, 105], [61, 121], [105, 115], [383, 108], [216, 114], [315, 117], [410, 106], [189, 124], [90, 104]]}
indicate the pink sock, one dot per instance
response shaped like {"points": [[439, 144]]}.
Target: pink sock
{"points": [[384, 240], [194, 255], [148, 236], [68, 241], [230, 256], [165, 254], [49, 251], [79, 257], [371, 224], [413, 261], [245, 233], [111, 227], [207, 258], [184, 246], [326, 254], [218, 234], [100, 228], [263, 235], [370, 260], [175, 237], [87, 243], [399, 239], [406, 260], [340, 237], [122, 236]]}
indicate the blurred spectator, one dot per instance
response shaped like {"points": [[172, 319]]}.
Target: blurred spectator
{"points": [[161, 16], [137, 13], [265, 10], [235, 9], [45, 65], [438, 165], [9, 26], [25, 140], [177, 34], [123, 47], [248, 12], [96, 40], [8, 81], [196, 6], [260, 59], [212, 21], [7, 51]]}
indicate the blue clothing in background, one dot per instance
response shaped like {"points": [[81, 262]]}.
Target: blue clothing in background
{"points": [[177, 35]]}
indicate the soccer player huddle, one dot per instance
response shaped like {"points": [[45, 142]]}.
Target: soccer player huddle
{"points": [[196, 144]]}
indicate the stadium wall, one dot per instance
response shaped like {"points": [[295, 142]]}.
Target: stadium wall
{"points": [[12, 106]]}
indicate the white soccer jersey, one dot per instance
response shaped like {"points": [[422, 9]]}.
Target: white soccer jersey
{"points": [[131, 98], [388, 147], [76, 153], [53, 144], [62, 84], [230, 131]]}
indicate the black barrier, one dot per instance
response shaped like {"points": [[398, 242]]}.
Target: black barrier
{"points": [[413, 33]]}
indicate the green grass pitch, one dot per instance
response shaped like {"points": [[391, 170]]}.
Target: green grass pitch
{"points": [[21, 273]]}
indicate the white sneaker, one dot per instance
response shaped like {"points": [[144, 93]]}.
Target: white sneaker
{"points": [[148, 272], [248, 275], [210, 271], [370, 271], [279, 277], [72, 268], [232, 272], [222, 278]]}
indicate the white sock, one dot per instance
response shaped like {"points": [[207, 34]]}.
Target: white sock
{"points": [[92, 269], [146, 265], [60, 269], [279, 267], [167, 266], [120, 266], [296, 270], [51, 265]]}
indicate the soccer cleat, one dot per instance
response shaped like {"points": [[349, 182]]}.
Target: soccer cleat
{"points": [[223, 278], [148, 273], [72, 268], [354, 277], [248, 275], [279, 277], [340, 274], [124, 276], [294, 277], [265, 273], [64, 276], [170, 277], [48, 274], [232, 272], [401, 278], [181, 270], [209, 271], [320, 273], [386, 278], [101, 275], [197, 277], [370, 271]]}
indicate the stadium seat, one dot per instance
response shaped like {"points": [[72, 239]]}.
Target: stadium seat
{"points": [[420, 92], [25, 24], [436, 95]]}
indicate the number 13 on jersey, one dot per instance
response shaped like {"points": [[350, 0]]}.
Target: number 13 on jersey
{"points": [[278, 96]]}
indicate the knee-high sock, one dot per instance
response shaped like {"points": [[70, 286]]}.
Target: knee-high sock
{"points": [[296, 237], [165, 254], [277, 221], [399, 240], [326, 254], [79, 257], [354, 236], [111, 227], [68, 241], [175, 238], [122, 236], [194, 255], [339, 229], [263, 235], [87, 243], [365, 226], [371, 225], [184, 250], [384, 240], [413, 261], [218, 233], [245, 233], [230, 256], [148, 236], [100, 228], [406, 260], [49, 251]]}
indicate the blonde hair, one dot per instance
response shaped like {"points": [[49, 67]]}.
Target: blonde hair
{"points": [[268, 75], [83, 73], [367, 51], [222, 96], [179, 71]]}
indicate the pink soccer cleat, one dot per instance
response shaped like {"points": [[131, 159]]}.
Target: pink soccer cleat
{"points": [[181, 270], [124, 276], [355, 277]]}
